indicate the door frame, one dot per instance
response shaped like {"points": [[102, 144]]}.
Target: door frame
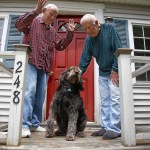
{"points": [[81, 8]]}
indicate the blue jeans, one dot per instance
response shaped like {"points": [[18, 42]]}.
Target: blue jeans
{"points": [[36, 82], [110, 105]]}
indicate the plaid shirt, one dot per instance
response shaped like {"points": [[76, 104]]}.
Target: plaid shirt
{"points": [[41, 39]]}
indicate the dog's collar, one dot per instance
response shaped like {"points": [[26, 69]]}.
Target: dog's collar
{"points": [[69, 89]]}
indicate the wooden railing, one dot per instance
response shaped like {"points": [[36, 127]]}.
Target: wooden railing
{"points": [[128, 132], [17, 93]]}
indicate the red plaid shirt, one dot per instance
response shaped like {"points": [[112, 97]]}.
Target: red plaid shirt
{"points": [[41, 39]]}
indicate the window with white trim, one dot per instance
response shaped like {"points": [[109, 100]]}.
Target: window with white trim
{"points": [[1, 30], [141, 38]]}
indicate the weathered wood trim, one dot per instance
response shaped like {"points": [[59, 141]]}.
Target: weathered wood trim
{"points": [[3, 135], [6, 69], [126, 97], [141, 70], [140, 59], [6, 54], [123, 51], [17, 101]]}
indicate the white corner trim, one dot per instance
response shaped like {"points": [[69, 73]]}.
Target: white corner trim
{"points": [[5, 27]]}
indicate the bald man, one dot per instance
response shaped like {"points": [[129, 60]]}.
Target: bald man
{"points": [[101, 42], [43, 40]]}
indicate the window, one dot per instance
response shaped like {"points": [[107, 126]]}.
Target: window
{"points": [[63, 27], [1, 30], [141, 38]]}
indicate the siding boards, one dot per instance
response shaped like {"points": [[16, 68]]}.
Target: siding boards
{"points": [[126, 12], [141, 96], [5, 95]]}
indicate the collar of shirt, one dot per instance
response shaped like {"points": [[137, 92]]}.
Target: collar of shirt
{"points": [[42, 22]]}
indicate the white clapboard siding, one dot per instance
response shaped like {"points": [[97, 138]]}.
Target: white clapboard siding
{"points": [[4, 86], [5, 95], [5, 80], [126, 12], [141, 96], [5, 92]]}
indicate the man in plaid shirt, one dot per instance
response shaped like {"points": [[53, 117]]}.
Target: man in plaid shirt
{"points": [[43, 40]]}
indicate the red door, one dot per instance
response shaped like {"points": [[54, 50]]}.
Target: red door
{"points": [[71, 57]]}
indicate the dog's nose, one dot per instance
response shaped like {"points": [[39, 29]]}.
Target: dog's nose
{"points": [[76, 73]]}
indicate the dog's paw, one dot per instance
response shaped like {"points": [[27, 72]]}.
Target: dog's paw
{"points": [[59, 133], [70, 138], [49, 135], [81, 134]]}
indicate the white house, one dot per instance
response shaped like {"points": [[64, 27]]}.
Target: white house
{"points": [[132, 20]]}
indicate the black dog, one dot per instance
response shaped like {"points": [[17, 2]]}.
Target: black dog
{"points": [[67, 107]]}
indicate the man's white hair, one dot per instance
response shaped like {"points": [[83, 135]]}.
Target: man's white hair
{"points": [[88, 17], [49, 6]]}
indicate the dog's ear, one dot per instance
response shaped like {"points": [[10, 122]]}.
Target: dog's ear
{"points": [[80, 84], [63, 77]]}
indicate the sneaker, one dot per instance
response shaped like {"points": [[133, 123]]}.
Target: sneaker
{"points": [[109, 135], [26, 133], [37, 129], [99, 132]]}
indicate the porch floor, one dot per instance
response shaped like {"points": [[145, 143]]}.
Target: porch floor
{"points": [[39, 142]]}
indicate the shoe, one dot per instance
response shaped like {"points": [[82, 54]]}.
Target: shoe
{"points": [[99, 133], [109, 135], [37, 129], [26, 133]]}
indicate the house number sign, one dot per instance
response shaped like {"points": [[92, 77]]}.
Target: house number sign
{"points": [[16, 93]]}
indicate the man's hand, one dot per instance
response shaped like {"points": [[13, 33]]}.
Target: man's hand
{"points": [[71, 25], [40, 6], [114, 78]]}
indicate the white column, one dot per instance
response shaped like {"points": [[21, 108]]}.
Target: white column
{"points": [[17, 96], [126, 97]]}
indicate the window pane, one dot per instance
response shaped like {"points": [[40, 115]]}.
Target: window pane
{"points": [[147, 31], [138, 43], [62, 28], [141, 77], [137, 31], [78, 27], [147, 44], [138, 53], [148, 75], [147, 54]]}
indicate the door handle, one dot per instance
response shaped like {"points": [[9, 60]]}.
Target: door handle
{"points": [[51, 73]]}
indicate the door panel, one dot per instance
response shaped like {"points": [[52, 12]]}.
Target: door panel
{"points": [[71, 57]]}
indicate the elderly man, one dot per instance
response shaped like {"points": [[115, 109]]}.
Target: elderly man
{"points": [[102, 42], [42, 39]]}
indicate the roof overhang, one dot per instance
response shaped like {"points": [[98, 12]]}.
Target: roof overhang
{"points": [[124, 2]]}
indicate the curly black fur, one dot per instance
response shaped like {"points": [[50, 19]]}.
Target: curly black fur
{"points": [[67, 107]]}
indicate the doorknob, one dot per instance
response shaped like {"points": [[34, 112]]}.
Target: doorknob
{"points": [[51, 73]]}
